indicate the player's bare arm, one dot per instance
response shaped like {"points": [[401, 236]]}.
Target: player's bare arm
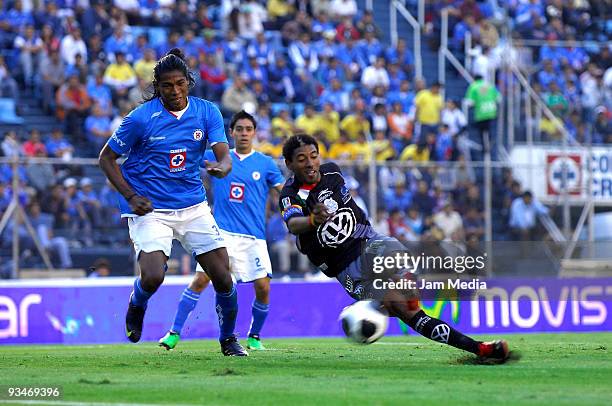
{"points": [[305, 224], [140, 205], [223, 165]]}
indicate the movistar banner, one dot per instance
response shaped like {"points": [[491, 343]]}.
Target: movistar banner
{"points": [[93, 311]]}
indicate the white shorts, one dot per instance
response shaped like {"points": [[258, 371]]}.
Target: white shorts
{"points": [[249, 259], [194, 227]]}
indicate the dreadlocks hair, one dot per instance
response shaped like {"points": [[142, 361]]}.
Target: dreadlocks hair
{"points": [[173, 60], [242, 115], [296, 141]]}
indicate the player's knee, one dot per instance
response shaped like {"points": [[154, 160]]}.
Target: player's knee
{"points": [[262, 292], [199, 283], [150, 281], [223, 282]]}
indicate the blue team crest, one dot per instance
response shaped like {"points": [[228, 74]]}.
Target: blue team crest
{"points": [[178, 158], [198, 134], [236, 192], [256, 175]]}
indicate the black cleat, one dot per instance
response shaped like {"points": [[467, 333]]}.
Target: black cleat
{"points": [[230, 347], [133, 321]]}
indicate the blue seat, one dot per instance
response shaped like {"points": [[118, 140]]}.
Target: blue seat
{"points": [[7, 112], [277, 107], [298, 109], [157, 36]]}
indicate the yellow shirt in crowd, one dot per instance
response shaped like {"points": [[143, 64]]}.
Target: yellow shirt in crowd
{"points": [[382, 149], [353, 126], [281, 128], [340, 150], [120, 73], [429, 107], [330, 125], [362, 152], [144, 70], [309, 125], [410, 153]]}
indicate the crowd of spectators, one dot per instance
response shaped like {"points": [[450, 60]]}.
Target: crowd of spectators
{"points": [[563, 46], [315, 66]]}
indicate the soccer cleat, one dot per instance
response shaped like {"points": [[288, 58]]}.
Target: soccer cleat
{"points": [[170, 340], [133, 321], [497, 350], [230, 347], [254, 343]]}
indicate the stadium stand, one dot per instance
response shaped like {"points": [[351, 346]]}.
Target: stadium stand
{"points": [[72, 73]]}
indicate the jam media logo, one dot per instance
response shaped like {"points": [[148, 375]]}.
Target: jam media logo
{"points": [[178, 158], [556, 181], [526, 306], [16, 315]]}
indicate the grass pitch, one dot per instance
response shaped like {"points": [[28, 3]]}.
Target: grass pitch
{"points": [[554, 369]]}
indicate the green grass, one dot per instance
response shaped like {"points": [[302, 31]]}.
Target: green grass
{"points": [[554, 369]]}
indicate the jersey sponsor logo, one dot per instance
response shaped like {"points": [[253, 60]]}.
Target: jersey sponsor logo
{"points": [[198, 134], [178, 159], [117, 140], [324, 194], [421, 323], [256, 175], [331, 205], [304, 193], [441, 333], [236, 192], [157, 113], [337, 229], [345, 193], [286, 202]]}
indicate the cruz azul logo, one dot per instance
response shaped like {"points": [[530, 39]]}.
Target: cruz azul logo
{"points": [[236, 192], [178, 158], [198, 134], [563, 173]]}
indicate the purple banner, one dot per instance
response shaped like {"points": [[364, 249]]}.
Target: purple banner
{"points": [[93, 311]]}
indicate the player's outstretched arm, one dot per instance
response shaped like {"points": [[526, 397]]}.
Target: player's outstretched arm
{"points": [[304, 224], [223, 166], [108, 163]]}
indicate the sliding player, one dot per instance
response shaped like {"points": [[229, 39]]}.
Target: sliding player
{"points": [[337, 238], [240, 207]]}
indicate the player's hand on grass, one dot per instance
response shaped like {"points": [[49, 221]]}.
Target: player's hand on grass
{"points": [[216, 169], [319, 214], [140, 205]]}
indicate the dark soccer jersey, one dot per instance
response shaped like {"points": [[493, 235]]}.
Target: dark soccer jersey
{"points": [[337, 242]]}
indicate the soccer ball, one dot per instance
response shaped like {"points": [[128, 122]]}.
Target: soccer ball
{"points": [[364, 321]]}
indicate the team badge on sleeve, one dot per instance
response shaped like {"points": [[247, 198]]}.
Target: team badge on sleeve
{"points": [[178, 159], [198, 134], [286, 202], [236, 192]]}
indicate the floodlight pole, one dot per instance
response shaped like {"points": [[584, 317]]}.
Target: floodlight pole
{"points": [[18, 214]]}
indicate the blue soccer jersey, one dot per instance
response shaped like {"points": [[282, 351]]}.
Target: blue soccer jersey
{"points": [[240, 197], [165, 152]]}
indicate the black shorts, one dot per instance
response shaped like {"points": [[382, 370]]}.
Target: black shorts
{"points": [[364, 278]]}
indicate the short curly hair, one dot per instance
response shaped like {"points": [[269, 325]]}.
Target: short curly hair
{"points": [[296, 141]]}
